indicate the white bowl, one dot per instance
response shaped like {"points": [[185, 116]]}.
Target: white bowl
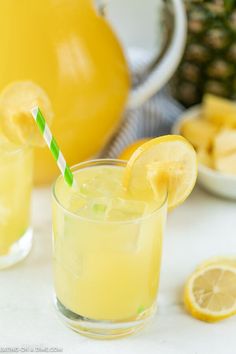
{"points": [[220, 184]]}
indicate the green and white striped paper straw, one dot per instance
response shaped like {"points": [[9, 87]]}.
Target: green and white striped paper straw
{"points": [[52, 144]]}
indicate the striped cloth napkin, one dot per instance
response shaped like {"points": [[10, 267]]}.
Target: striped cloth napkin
{"points": [[154, 118]]}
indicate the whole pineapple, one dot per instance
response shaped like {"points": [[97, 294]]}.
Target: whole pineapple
{"points": [[209, 61]]}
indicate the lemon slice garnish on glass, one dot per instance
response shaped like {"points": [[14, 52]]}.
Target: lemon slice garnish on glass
{"points": [[16, 122], [165, 163], [210, 293]]}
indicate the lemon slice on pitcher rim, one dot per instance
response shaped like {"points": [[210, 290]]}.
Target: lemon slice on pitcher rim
{"points": [[164, 164], [210, 293], [16, 122]]}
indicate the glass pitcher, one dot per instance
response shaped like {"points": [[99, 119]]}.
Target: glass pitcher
{"points": [[69, 49]]}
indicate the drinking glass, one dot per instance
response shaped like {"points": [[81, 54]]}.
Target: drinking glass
{"points": [[106, 273], [16, 172]]}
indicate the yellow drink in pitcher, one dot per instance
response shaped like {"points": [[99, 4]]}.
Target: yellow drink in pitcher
{"points": [[107, 250], [16, 170]]}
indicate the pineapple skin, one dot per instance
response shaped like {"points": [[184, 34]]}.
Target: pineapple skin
{"points": [[209, 61]]}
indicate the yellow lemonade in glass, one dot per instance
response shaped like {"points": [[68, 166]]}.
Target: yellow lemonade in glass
{"points": [[107, 250], [16, 170]]}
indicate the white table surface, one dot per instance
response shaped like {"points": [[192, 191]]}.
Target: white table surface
{"points": [[203, 227]]}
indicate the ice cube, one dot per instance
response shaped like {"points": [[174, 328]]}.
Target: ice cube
{"points": [[103, 184], [84, 189], [98, 208], [92, 188], [125, 209], [76, 202]]}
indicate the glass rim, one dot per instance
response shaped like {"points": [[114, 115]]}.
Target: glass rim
{"points": [[106, 162], [17, 148]]}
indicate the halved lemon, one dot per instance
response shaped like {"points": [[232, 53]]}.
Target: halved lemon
{"points": [[210, 293], [165, 163], [16, 121], [219, 260]]}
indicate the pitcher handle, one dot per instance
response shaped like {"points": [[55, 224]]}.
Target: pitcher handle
{"points": [[162, 72], [166, 63]]}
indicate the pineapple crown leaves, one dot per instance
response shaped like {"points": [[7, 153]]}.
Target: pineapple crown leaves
{"points": [[229, 4]]}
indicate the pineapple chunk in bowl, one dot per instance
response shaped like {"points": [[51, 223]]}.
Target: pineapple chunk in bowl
{"points": [[211, 128]]}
